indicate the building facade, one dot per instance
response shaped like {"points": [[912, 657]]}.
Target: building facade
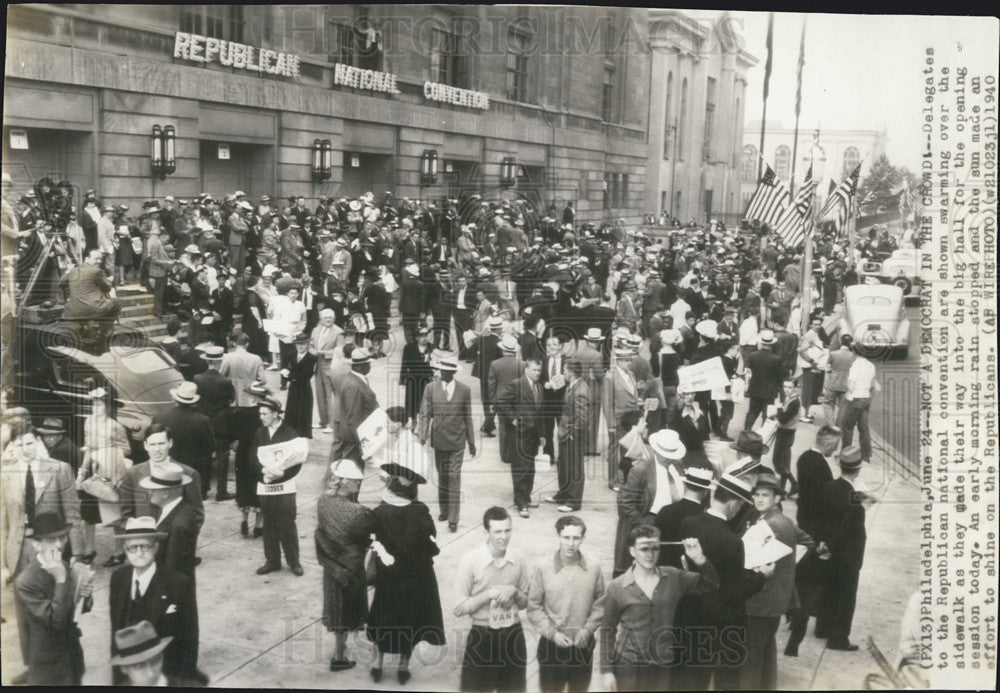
{"points": [[250, 90], [696, 105], [832, 153]]}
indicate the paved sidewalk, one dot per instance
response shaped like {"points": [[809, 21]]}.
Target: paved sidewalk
{"points": [[265, 631]]}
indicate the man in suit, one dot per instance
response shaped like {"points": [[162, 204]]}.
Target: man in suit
{"points": [[553, 391], [446, 421], [619, 397], [217, 394], [502, 371], [276, 489], [531, 341], [58, 444], [842, 530], [134, 499], [357, 402], [654, 299], [323, 343], [724, 610], [159, 263], [589, 355], [438, 300], [145, 591], [340, 373], [47, 592], [411, 300], [191, 431], [34, 484], [415, 371], [489, 351], [697, 486], [573, 435], [521, 403], [463, 303], [813, 472], [766, 376], [175, 517], [143, 665]]}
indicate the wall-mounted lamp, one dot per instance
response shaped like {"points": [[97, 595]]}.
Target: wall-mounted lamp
{"points": [[429, 167], [162, 147], [508, 172], [322, 158]]}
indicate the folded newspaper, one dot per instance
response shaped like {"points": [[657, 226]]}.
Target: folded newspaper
{"points": [[761, 547], [277, 457], [373, 433]]}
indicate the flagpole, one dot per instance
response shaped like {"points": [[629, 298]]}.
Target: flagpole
{"points": [[798, 108], [806, 303], [767, 81]]}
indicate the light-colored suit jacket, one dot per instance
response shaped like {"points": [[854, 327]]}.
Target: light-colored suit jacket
{"points": [[618, 394], [242, 368], [575, 419], [55, 491], [325, 346]]}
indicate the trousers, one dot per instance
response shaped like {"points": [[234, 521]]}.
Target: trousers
{"points": [[323, 385], [856, 414], [280, 532], [564, 668], [449, 469], [495, 659], [522, 466], [571, 472], [760, 671]]}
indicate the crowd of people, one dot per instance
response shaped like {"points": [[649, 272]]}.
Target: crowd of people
{"points": [[581, 341]]}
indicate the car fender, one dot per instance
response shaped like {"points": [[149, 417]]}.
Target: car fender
{"points": [[903, 332]]}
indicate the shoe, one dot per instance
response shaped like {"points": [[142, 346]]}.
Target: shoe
{"points": [[272, 368], [197, 561], [20, 680], [376, 674], [267, 568], [489, 434], [245, 528], [341, 664], [523, 512], [616, 489], [806, 419], [452, 527], [296, 570], [532, 504], [114, 561], [329, 431], [551, 499], [223, 497], [726, 439], [200, 676], [258, 532], [821, 633], [565, 509], [88, 558], [403, 675], [283, 387], [791, 650], [317, 426], [442, 517], [845, 646]]}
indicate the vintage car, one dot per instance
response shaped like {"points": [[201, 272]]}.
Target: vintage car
{"points": [[901, 268], [53, 376], [873, 315]]}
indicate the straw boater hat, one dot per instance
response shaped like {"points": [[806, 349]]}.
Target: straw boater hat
{"points": [[165, 475], [51, 427], [445, 363], [736, 486], [360, 356], [667, 444], [850, 458], [212, 352], [185, 393], [142, 528], [346, 469], [495, 324], [508, 344], [709, 329], [767, 337], [698, 478], [594, 334], [257, 389], [137, 644]]}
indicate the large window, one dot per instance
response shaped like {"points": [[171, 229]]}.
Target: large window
{"points": [[517, 66], [682, 118], [782, 162], [449, 63], [709, 144], [358, 44], [749, 163], [608, 95], [668, 116], [851, 158], [623, 191], [223, 22], [609, 190], [737, 120]]}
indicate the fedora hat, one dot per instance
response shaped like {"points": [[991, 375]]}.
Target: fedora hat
{"points": [[749, 442], [698, 478], [508, 344], [850, 457], [185, 393], [165, 475], [736, 486], [410, 465], [495, 323], [360, 356], [257, 389], [302, 338], [346, 469], [769, 481], [49, 525], [767, 336], [667, 444], [212, 351], [142, 528], [51, 426], [446, 363], [594, 334], [271, 403], [138, 643]]}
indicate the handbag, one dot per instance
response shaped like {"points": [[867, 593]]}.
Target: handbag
{"points": [[100, 488]]}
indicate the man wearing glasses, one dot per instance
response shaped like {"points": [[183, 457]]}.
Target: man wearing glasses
{"points": [[144, 591]]}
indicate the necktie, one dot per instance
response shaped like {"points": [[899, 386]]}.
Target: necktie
{"points": [[534, 390], [138, 592], [29, 497]]}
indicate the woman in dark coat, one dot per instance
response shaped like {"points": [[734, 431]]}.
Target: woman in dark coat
{"points": [[341, 540], [254, 312], [415, 371], [299, 407], [691, 424], [377, 301], [406, 608]]}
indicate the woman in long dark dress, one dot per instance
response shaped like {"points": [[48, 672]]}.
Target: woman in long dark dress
{"points": [[406, 608], [341, 540], [691, 424], [299, 406], [246, 421], [415, 371], [254, 312]]}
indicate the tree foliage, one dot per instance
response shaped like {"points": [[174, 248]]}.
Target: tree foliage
{"points": [[885, 180]]}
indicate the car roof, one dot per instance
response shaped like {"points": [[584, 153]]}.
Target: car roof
{"points": [[890, 291]]}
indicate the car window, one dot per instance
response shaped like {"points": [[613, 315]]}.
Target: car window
{"points": [[144, 361], [874, 301]]}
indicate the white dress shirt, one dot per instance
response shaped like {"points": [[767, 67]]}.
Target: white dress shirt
{"points": [[449, 389], [861, 379], [143, 579]]}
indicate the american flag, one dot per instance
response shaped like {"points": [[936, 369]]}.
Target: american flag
{"points": [[796, 221], [839, 200], [769, 200]]}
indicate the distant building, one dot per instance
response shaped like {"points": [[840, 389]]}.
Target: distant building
{"points": [[697, 100], [843, 150]]}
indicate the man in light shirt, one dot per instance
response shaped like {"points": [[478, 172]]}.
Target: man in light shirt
{"points": [[857, 401]]}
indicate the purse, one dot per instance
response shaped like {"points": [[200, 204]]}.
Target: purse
{"points": [[100, 488]]}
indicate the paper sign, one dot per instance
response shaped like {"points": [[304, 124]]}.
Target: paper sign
{"points": [[18, 139], [705, 375], [373, 432], [223, 152], [760, 546], [502, 617], [277, 457]]}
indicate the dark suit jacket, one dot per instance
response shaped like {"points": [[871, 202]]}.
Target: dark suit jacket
{"points": [[843, 523], [411, 296], [724, 549], [413, 366], [169, 605], [135, 499], [489, 351], [516, 402], [357, 402], [766, 375], [178, 549], [448, 425], [668, 521], [67, 451], [191, 435], [531, 347], [502, 371], [577, 406], [217, 392]]}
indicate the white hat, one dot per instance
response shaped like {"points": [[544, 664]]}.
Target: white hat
{"points": [[767, 336], [671, 336], [508, 344], [667, 443], [709, 329], [346, 469], [445, 363]]}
